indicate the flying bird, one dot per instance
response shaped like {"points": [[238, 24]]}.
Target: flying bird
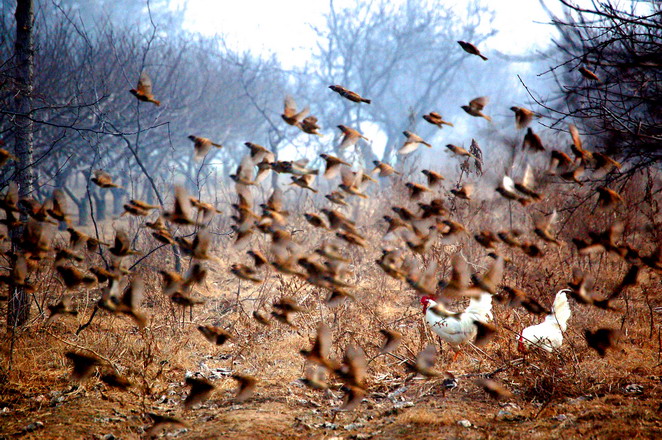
{"points": [[470, 48], [143, 90], [348, 94], [476, 106]]}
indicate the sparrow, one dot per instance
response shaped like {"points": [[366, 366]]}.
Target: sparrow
{"points": [[122, 245], [215, 335], [304, 181], [464, 192], [309, 125], [181, 213], [103, 179], [321, 349], [532, 142], [348, 94], [459, 151], [433, 177], [543, 229], [602, 339], [588, 74], [411, 143], [416, 189], [62, 307], [435, 118], [607, 198], [494, 389], [290, 115], [333, 164], [143, 90], [201, 146], [245, 273], [246, 386], [116, 381], [523, 116], [384, 169], [470, 48], [476, 106], [159, 423], [201, 389], [83, 364], [393, 339], [350, 137]]}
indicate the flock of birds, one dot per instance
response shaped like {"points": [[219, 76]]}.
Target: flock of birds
{"points": [[411, 230]]}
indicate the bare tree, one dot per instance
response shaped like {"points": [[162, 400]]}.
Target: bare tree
{"points": [[404, 57], [23, 76], [609, 73]]}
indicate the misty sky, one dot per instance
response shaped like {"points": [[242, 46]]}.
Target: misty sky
{"points": [[284, 28]]}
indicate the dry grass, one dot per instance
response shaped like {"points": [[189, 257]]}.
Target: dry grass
{"points": [[571, 394]]}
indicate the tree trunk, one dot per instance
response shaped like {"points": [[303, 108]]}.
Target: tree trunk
{"points": [[99, 197], [118, 200], [18, 309]]}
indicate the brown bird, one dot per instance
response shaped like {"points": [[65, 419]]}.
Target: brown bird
{"points": [[353, 397], [159, 424], [201, 389], [246, 386], [5, 156], [558, 160], [433, 177], [348, 94], [215, 335], [425, 361], [130, 301], [245, 172], [604, 165], [132, 209], [83, 364], [602, 339], [73, 277], [383, 169], [304, 181], [523, 116], [576, 147], [201, 146], [352, 183], [435, 208], [532, 142], [261, 318], [487, 239], [607, 198], [259, 259], [459, 151], [350, 137], [332, 165], [58, 209], [143, 90], [315, 220], [492, 277], [285, 310], [411, 143], [494, 389], [543, 229], [103, 179], [516, 297], [309, 125], [352, 238], [290, 114], [181, 213], [435, 118], [259, 153], [353, 368], [116, 381], [393, 339], [122, 245], [336, 197], [416, 189], [574, 175], [588, 74], [458, 284], [464, 192], [246, 273], [476, 106], [470, 48], [62, 307], [319, 353]]}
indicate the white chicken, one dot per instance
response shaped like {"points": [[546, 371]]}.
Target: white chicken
{"points": [[457, 328], [548, 335]]}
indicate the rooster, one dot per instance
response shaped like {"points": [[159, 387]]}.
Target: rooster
{"points": [[548, 335], [457, 328]]}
